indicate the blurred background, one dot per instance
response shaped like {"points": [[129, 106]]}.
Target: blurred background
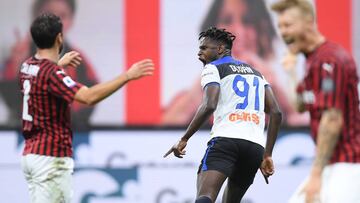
{"points": [[120, 142]]}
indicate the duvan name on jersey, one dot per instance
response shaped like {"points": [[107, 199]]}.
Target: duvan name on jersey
{"points": [[242, 69]]}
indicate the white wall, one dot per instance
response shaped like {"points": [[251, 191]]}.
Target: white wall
{"points": [[127, 167]]}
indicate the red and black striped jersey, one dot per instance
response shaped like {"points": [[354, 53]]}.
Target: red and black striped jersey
{"points": [[47, 93], [331, 81]]}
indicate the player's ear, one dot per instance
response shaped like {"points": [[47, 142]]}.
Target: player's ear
{"points": [[221, 49], [60, 38]]}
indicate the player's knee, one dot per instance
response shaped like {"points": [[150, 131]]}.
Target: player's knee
{"points": [[203, 199]]}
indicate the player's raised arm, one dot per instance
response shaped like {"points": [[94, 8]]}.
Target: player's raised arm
{"points": [[100, 91]]}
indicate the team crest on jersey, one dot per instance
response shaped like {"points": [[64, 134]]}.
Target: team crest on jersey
{"points": [[327, 67], [68, 81]]}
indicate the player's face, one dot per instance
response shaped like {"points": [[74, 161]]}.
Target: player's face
{"points": [[293, 27], [208, 51]]}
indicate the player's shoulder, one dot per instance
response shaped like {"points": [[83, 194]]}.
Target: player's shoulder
{"points": [[229, 65], [210, 66], [37, 67], [333, 51]]}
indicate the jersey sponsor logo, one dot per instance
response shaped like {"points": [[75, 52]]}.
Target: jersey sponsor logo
{"points": [[244, 116], [327, 85], [68, 81], [29, 69]]}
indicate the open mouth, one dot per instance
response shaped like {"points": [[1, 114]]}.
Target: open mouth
{"points": [[202, 59], [289, 40]]}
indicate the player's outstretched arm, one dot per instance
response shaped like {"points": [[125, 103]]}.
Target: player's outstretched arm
{"points": [[100, 91], [271, 108], [207, 107]]}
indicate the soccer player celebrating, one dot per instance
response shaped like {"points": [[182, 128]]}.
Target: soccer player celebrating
{"points": [[239, 96], [329, 92], [47, 92]]}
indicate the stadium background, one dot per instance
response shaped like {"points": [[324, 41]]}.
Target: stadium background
{"points": [[119, 159]]}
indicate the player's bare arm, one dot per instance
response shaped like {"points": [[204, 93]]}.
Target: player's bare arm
{"points": [[271, 108], [328, 135], [100, 91], [329, 131], [207, 107], [71, 58]]}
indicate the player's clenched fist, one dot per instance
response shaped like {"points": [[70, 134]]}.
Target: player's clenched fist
{"points": [[267, 168], [139, 69]]}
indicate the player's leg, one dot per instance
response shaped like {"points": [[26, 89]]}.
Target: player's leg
{"points": [[49, 178], [208, 185], [216, 165], [62, 180], [340, 183], [243, 175], [28, 176], [203, 199], [234, 192]]}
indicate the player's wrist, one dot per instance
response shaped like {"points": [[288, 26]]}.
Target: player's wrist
{"points": [[127, 76], [315, 172], [185, 139], [267, 155]]}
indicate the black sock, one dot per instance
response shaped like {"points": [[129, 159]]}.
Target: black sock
{"points": [[203, 199]]}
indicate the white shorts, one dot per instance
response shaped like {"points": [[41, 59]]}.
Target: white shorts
{"points": [[340, 184], [49, 178]]}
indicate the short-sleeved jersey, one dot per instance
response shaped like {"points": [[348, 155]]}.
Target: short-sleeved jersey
{"points": [[47, 92], [240, 110], [331, 81]]}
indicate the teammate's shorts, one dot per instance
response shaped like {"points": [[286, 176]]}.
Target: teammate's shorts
{"points": [[340, 183], [49, 178], [238, 159]]}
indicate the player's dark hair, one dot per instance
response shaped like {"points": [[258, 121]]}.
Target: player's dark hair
{"points": [[44, 30], [219, 35], [39, 4]]}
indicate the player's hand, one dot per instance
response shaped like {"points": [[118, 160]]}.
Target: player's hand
{"points": [[312, 189], [267, 168], [289, 62], [71, 58], [139, 69], [178, 149]]}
